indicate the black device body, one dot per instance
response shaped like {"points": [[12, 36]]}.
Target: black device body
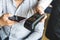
{"points": [[31, 22], [16, 18]]}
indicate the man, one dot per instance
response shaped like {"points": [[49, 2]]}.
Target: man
{"points": [[53, 28], [17, 31]]}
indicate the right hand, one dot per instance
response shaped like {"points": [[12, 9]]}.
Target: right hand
{"points": [[5, 21]]}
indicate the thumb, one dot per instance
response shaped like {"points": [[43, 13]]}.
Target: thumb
{"points": [[43, 20]]}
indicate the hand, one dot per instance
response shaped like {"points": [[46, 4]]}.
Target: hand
{"points": [[41, 11], [2, 22], [43, 20], [6, 21]]}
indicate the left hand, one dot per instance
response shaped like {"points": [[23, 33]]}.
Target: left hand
{"points": [[43, 20], [41, 11]]}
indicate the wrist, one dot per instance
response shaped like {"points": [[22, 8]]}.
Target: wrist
{"points": [[40, 10]]}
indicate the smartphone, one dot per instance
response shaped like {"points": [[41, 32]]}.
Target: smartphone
{"points": [[16, 18]]}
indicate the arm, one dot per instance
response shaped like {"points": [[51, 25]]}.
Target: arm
{"points": [[2, 11], [7, 7], [43, 4], [40, 27], [37, 33]]}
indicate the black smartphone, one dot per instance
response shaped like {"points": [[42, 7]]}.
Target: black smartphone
{"points": [[16, 18], [31, 22]]}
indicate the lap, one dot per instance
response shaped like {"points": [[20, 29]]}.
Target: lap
{"points": [[18, 31]]}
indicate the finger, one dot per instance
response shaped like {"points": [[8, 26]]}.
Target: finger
{"points": [[43, 20], [40, 10], [11, 22], [10, 15]]}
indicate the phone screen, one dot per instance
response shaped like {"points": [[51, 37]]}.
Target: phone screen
{"points": [[16, 18]]}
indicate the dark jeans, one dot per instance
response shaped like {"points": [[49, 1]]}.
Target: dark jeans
{"points": [[0, 38], [7, 38], [53, 27], [48, 10]]}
